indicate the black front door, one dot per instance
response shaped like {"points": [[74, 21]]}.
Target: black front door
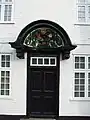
{"points": [[42, 91]]}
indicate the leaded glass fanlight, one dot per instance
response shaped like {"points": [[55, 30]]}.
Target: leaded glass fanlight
{"points": [[42, 38]]}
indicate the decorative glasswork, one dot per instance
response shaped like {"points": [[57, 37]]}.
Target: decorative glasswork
{"points": [[43, 38]]}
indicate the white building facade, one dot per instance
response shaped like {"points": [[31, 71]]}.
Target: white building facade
{"points": [[45, 58]]}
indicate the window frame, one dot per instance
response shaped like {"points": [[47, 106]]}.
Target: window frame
{"points": [[87, 13], [86, 71], [43, 64], [2, 12], [6, 69]]}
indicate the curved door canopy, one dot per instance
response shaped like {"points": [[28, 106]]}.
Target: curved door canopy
{"points": [[43, 36]]}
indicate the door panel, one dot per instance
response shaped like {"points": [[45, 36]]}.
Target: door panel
{"points": [[36, 90], [36, 80], [49, 81], [36, 106], [49, 105], [49, 92]]}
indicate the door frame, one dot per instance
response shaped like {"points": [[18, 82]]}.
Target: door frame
{"points": [[57, 84]]}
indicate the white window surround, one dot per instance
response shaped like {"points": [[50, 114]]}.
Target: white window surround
{"points": [[5, 70], [3, 5], [85, 4], [86, 71]]}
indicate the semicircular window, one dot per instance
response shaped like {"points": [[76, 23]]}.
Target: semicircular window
{"points": [[43, 38]]}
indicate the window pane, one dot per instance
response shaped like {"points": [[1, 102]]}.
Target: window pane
{"points": [[76, 81], [52, 61], [88, 81], [2, 92], [81, 13], [7, 86], [7, 57], [76, 75], [7, 92], [81, 94], [3, 73], [7, 64], [89, 12], [82, 75], [82, 88], [7, 12], [82, 81], [88, 75], [46, 61], [76, 65], [82, 59], [7, 80], [2, 80], [88, 94], [76, 59], [81, 8], [76, 94], [88, 59], [3, 57], [7, 73], [2, 86], [76, 87], [82, 65], [34, 61], [40, 61], [88, 87], [79, 86], [88, 62], [88, 65], [2, 64]]}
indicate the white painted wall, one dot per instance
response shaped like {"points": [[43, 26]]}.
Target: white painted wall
{"points": [[28, 11], [70, 106], [61, 12], [16, 103]]}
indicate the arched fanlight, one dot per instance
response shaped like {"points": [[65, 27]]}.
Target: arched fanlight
{"points": [[43, 38]]}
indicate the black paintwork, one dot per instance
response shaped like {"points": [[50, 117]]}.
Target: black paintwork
{"points": [[43, 90], [20, 48]]}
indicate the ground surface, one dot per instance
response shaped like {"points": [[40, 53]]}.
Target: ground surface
{"points": [[16, 118]]}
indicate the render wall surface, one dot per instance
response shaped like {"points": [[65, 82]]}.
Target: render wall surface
{"points": [[15, 104], [69, 105], [63, 13]]}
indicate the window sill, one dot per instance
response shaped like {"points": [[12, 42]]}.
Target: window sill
{"points": [[6, 97], [79, 99], [82, 24], [11, 22]]}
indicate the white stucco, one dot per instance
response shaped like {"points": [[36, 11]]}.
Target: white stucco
{"points": [[63, 13], [15, 104], [70, 106]]}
